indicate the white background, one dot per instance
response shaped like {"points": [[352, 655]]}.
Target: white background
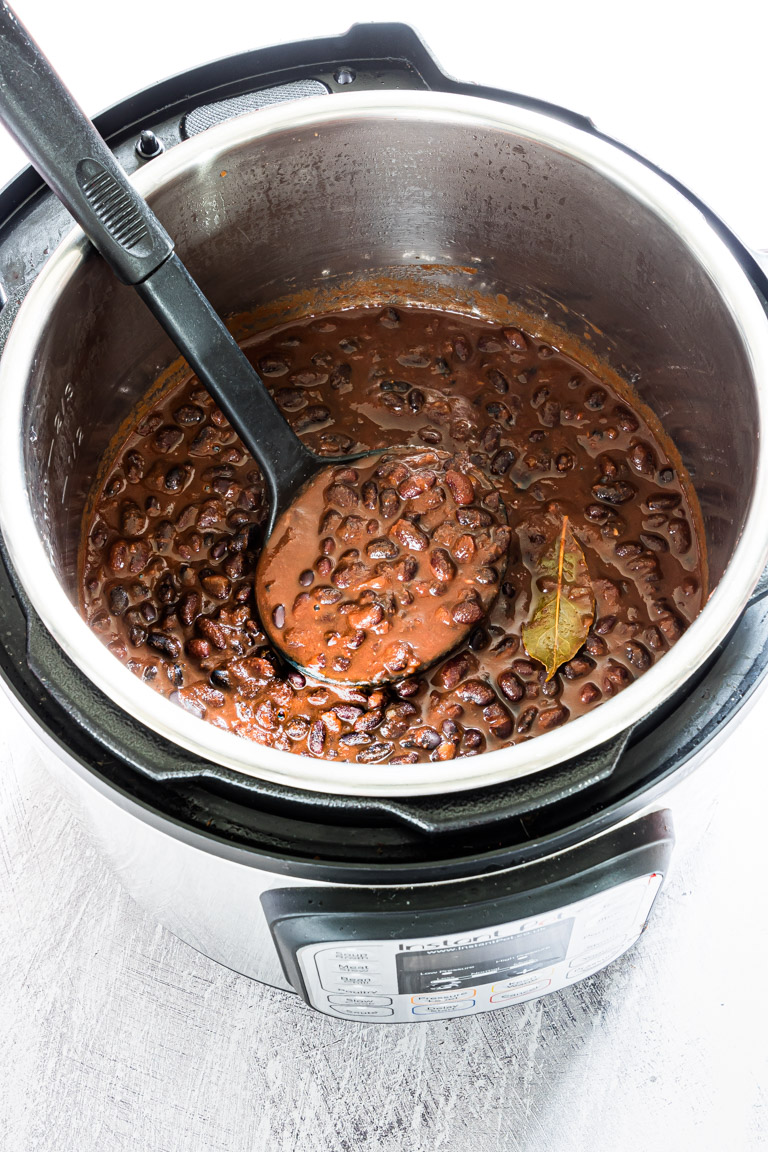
{"points": [[113, 1035]]}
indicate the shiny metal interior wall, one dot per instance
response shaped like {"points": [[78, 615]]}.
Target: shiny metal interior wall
{"points": [[304, 210]]}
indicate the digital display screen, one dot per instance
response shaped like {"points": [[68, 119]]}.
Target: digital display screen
{"points": [[437, 969]]}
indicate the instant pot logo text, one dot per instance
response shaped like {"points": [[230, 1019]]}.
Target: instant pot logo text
{"points": [[455, 941], [502, 932]]}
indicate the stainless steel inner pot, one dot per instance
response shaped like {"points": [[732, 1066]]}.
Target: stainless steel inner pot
{"points": [[329, 192]]}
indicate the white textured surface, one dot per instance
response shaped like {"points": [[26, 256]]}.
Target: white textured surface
{"points": [[115, 1036]]}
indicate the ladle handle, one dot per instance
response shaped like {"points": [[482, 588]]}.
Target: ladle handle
{"points": [[72, 158]]}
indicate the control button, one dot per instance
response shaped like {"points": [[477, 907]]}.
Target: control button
{"points": [[605, 947], [618, 909], [340, 998], [599, 942], [586, 967], [372, 987], [520, 981], [443, 997], [438, 1009], [609, 920], [334, 964], [348, 956], [520, 993], [363, 1012], [342, 968]]}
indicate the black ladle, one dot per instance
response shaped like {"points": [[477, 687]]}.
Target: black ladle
{"points": [[74, 161]]}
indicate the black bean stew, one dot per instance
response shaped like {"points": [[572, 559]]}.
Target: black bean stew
{"points": [[172, 543]]}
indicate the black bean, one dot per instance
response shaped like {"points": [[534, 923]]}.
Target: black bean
{"points": [[628, 550], [502, 461], [663, 502], [589, 693], [498, 381], [473, 518], [291, 399], [176, 478], [216, 584], [455, 669], [314, 414], [134, 467], [553, 717], [680, 535], [272, 366], [626, 420], [118, 600], [619, 493], [205, 442], [114, 486], [308, 379], [476, 692], [596, 399], [188, 414], [655, 543], [486, 575], [642, 458], [467, 611], [316, 739], [638, 655], [577, 667], [442, 565], [167, 645], [374, 753], [355, 739], [189, 608], [408, 687], [526, 719], [511, 686], [615, 678], [167, 439], [479, 639], [499, 720], [595, 646], [341, 377], [425, 737], [515, 339]]}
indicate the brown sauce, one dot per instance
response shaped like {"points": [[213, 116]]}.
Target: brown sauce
{"points": [[172, 542]]}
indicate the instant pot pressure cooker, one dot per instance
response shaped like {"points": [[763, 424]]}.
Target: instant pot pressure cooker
{"points": [[302, 175]]}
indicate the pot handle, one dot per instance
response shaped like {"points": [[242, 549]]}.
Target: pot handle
{"points": [[71, 156]]}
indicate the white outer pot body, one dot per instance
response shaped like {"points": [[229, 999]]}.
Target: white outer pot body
{"points": [[213, 902]]}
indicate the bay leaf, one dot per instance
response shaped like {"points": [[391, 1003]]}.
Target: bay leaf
{"points": [[565, 609]]}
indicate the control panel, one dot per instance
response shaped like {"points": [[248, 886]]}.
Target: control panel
{"points": [[426, 978], [408, 953]]}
